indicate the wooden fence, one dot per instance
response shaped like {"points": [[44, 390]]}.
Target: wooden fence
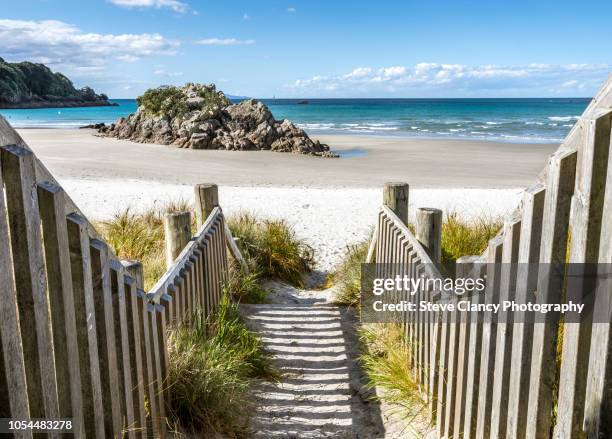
{"points": [[80, 338], [495, 378]]}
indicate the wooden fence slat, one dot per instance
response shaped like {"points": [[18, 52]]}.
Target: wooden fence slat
{"points": [[52, 204], [489, 338], [585, 224], [178, 298], [451, 371], [167, 300], [522, 334], [209, 274], [473, 365], [134, 341], [465, 265], [80, 266], [598, 404], [503, 343], [105, 330], [123, 346], [197, 257], [30, 280], [148, 363], [160, 327], [557, 203], [13, 386], [444, 332], [217, 261], [157, 360], [224, 256]]}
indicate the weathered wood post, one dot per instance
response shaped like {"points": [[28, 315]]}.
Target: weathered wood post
{"points": [[395, 197], [429, 231], [206, 199], [177, 232]]}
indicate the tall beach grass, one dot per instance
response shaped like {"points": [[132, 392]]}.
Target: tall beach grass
{"points": [[272, 248], [213, 363]]}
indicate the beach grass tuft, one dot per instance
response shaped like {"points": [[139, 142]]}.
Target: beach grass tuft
{"points": [[385, 359], [140, 236], [212, 364], [347, 277], [466, 237], [245, 287], [272, 248]]}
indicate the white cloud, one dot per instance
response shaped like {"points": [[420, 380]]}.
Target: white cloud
{"points": [[292, 9], [162, 72], [246, 17], [175, 5], [56, 42], [457, 79], [224, 42]]}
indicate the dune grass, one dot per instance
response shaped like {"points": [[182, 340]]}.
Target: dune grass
{"points": [[245, 287], [385, 359], [461, 237], [347, 276], [140, 236], [272, 248], [212, 364]]}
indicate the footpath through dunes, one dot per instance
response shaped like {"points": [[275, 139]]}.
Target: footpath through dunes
{"points": [[321, 391]]}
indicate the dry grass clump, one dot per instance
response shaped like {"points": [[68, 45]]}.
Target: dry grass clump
{"points": [[212, 364], [272, 248]]}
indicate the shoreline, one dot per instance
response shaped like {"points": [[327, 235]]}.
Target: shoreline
{"points": [[422, 163], [315, 135]]}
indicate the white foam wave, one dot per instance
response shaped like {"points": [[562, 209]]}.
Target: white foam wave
{"points": [[563, 118]]}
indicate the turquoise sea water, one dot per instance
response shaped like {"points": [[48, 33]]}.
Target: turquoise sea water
{"points": [[511, 120]]}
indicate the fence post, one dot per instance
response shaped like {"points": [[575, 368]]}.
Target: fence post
{"points": [[429, 231], [177, 232], [395, 197], [206, 199]]}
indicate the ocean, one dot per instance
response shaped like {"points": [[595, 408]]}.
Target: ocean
{"points": [[546, 120]]}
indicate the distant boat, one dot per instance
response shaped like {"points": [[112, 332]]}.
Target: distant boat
{"points": [[303, 102]]}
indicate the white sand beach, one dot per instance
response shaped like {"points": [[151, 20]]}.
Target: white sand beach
{"points": [[330, 202]]}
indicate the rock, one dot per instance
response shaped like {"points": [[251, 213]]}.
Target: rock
{"points": [[200, 117], [95, 126]]}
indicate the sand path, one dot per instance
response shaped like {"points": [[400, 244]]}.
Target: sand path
{"points": [[314, 346], [321, 393]]}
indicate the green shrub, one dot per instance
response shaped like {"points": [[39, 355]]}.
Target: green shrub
{"points": [[272, 248], [164, 100], [171, 101], [212, 364]]}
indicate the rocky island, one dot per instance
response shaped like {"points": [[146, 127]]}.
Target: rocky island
{"points": [[199, 116], [31, 85]]}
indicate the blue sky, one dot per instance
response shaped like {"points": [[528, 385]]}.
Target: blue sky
{"points": [[312, 48]]}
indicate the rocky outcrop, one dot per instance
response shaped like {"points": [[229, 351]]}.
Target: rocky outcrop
{"points": [[200, 117], [29, 85]]}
